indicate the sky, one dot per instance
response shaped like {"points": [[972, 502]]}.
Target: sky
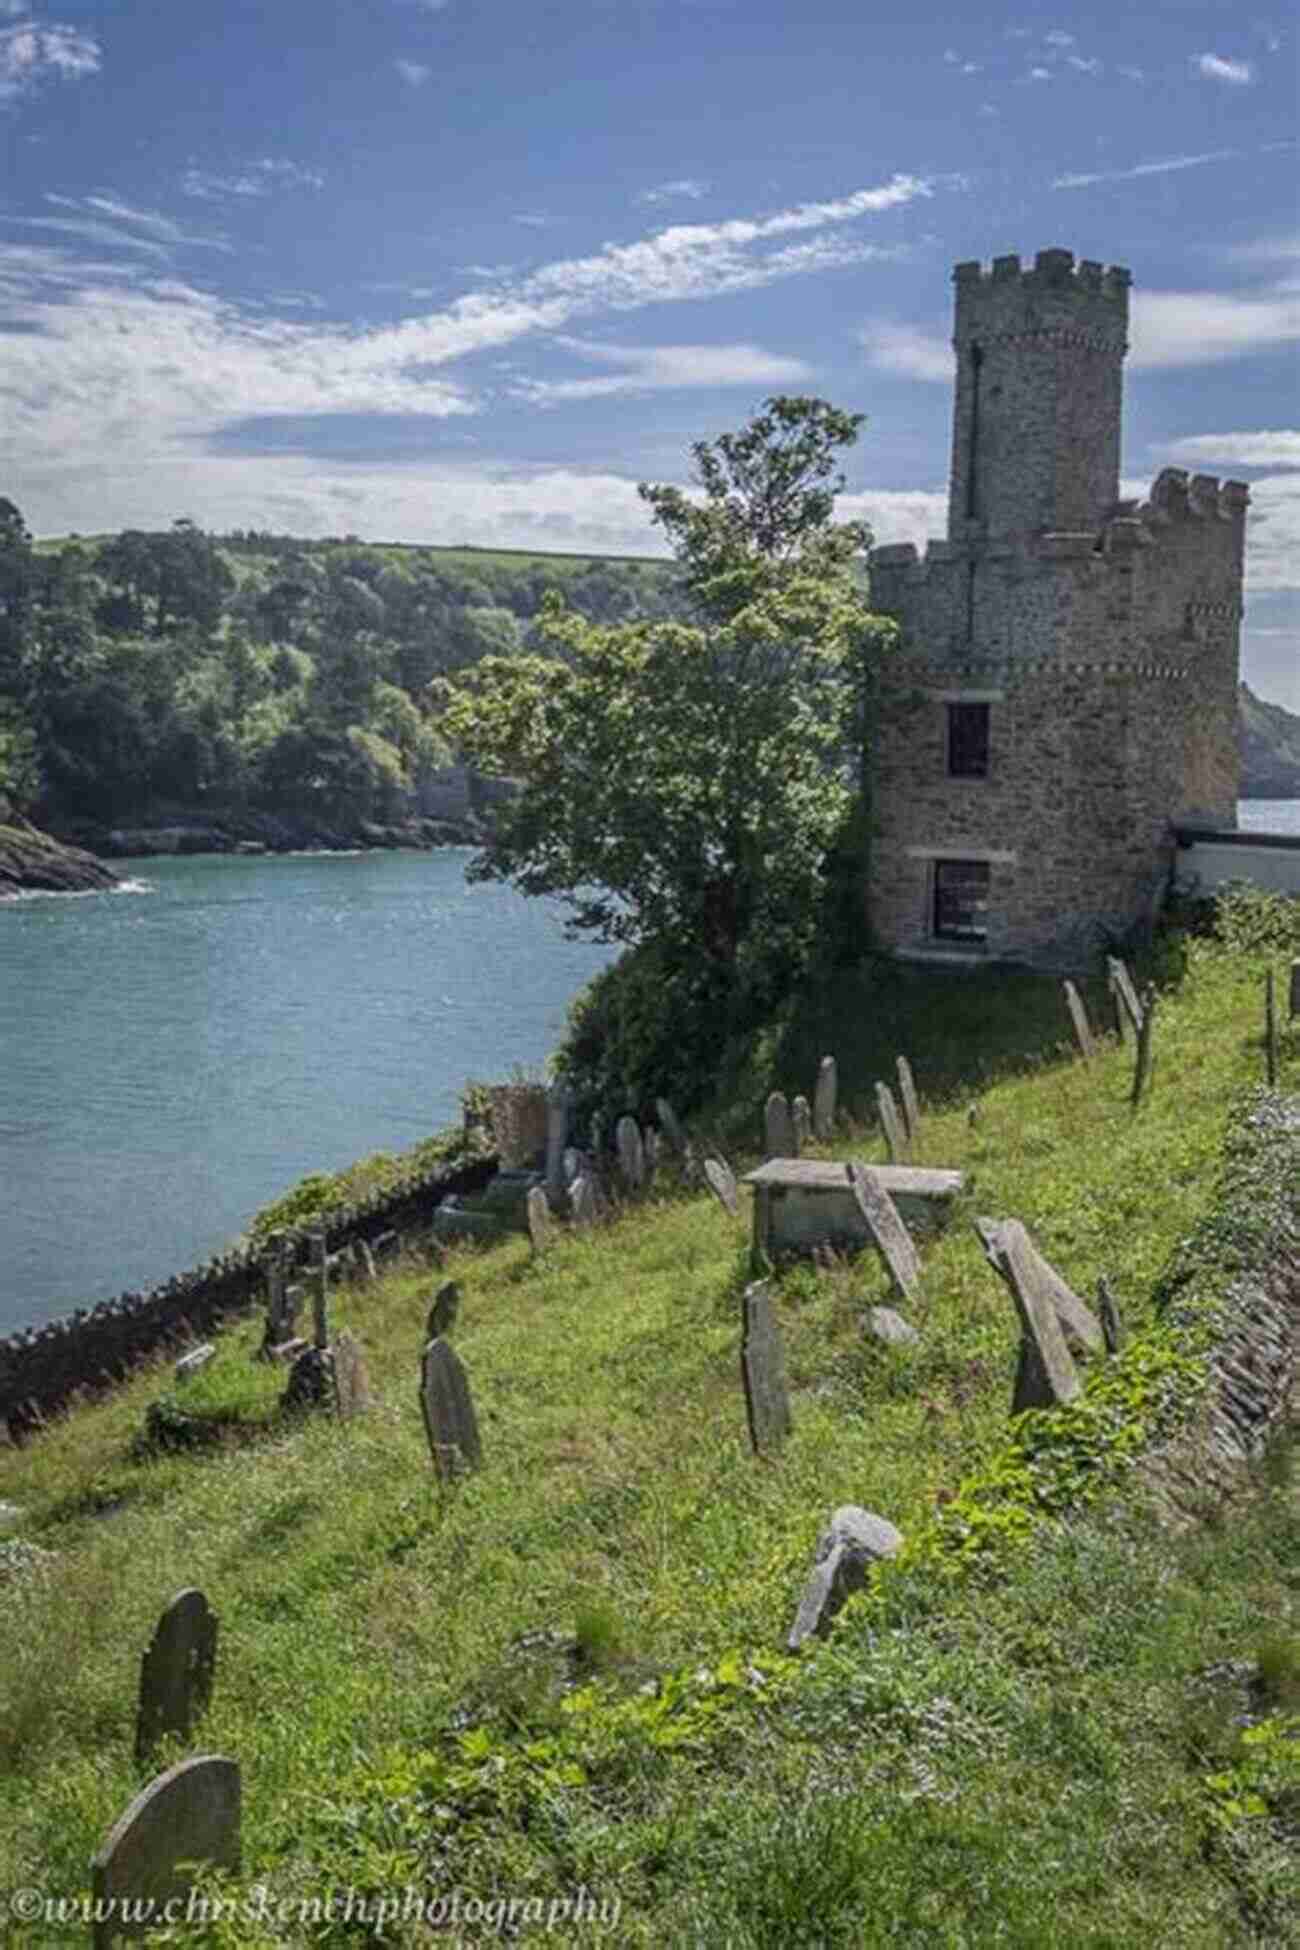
{"points": [[465, 271]]}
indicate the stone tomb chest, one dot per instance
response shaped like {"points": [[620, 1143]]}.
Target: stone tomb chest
{"points": [[800, 1203]]}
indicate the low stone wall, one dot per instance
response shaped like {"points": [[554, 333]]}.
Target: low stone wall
{"points": [[44, 1369]]}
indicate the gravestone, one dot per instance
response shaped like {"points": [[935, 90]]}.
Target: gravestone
{"points": [[824, 1096], [571, 1165], [320, 1290], [670, 1125], [1079, 1018], [651, 1146], [721, 1182], [1046, 1375], [1128, 1010], [852, 1542], [891, 1125], [311, 1379], [883, 1324], [907, 1097], [189, 1364], [631, 1154], [442, 1314], [189, 1815], [886, 1228], [1112, 1326], [176, 1671], [365, 1261], [1293, 1005], [351, 1377], [448, 1409], [762, 1364], [801, 1119], [778, 1127], [1082, 1330], [540, 1227], [1270, 1032], [1142, 1060], [584, 1209], [557, 1137]]}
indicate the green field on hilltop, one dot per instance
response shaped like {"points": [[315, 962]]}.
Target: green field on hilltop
{"points": [[568, 1672]]}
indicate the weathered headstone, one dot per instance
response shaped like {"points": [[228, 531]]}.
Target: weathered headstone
{"points": [[852, 1542], [1083, 1331], [540, 1227], [351, 1377], [189, 1364], [1142, 1060], [1046, 1374], [520, 1123], [311, 1379], [282, 1300], [890, 1123], [448, 1409], [909, 1100], [189, 1815], [176, 1671], [801, 1119], [1079, 1019], [670, 1125], [1112, 1326], [778, 1127], [571, 1164], [1270, 1032], [824, 1100], [584, 1208], [883, 1324], [887, 1229], [1128, 1010], [762, 1363], [557, 1137], [365, 1261], [320, 1289], [722, 1183], [442, 1314], [631, 1154], [651, 1145]]}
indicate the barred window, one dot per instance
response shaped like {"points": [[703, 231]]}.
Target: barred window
{"points": [[968, 741], [961, 900]]}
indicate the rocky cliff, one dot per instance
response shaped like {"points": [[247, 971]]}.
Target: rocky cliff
{"points": [[1270, 749], [31, 862]]}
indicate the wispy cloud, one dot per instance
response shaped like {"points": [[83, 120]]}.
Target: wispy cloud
{"points": [[1059, 38], [1214, 67], [659, 368], [1199, 328], [149, 223], [907, 351], [257, 178], [1084, 64], [1280, 448], [532, 219], [1162, 167], [687, 186], [31, 54], [413, 73]]}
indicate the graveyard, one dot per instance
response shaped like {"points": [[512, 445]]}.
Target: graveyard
{"points": [[535, 1601]]}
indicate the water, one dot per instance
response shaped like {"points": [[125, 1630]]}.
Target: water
{"points": [[173, 1058], [1269, 815]]}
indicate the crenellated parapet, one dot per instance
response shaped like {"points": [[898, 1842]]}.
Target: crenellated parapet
{"points": [[1082, 304]]}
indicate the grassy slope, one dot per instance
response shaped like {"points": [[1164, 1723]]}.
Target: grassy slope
{"points": [[1026, 1765]]}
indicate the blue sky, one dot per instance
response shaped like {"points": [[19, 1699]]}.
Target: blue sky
{"points": [[466, 271]]}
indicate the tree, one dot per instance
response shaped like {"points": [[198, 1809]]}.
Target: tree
{"points": [[684, 783]]}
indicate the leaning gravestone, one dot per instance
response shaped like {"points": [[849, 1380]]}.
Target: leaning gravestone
{"points": [[449, 1419], [824, 1100], [778, 1127], [801, 1119], [584, 1208], [176, 1671], [351, 1377], [1079, 1018], [762, 1363], [722, 1183], [1046, 1375], [1108, 1313], [365, 1261], [891, 1125], [187, 1816], [1127, 1007], [851, 1543], [908, 1099], [189, 1364], [631, 1154], [887, 1229], [1082, 1330], [1142, 1058], [571, 1164], [442, 1314], [670, 1125], [540, 1228]]}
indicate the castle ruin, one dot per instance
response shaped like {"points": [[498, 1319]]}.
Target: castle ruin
{"points": [[1066, 688]]}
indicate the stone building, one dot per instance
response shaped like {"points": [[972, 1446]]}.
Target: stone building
{"points": [[1066, 690]]}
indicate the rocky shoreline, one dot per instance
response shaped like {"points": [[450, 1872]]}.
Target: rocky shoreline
{"points": [[33, 863]]}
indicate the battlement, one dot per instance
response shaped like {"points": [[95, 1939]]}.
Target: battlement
{"points": [[1055, 302]]}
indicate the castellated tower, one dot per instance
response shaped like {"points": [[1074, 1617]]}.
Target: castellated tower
{"points": [[1066, 689]]}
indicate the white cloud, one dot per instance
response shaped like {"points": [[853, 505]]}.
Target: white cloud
{"points": [[658, 368], [1039, 74], [1133, 74], [1085, 65], [1280, 448], [1215, 68], [1159, 168], [688, 186], [414, 73], [157, 228], [257, 178], [533, 220], [30, 54], [971, 67], [951, 56], [1273, 534], [1058, 38], [894, 515], [906, 350], [1199, 328]]}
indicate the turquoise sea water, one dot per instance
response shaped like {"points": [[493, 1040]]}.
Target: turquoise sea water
{"points": [[173, 1057]]}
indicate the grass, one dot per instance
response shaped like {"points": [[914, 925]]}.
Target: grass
{"points": [[567, 1671]]}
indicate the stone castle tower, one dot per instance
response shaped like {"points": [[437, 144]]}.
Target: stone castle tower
{"points": [[1067, 684]]}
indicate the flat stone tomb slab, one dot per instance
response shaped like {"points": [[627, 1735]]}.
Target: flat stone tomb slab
{"points": [[808, 1202], [190, 1814]]}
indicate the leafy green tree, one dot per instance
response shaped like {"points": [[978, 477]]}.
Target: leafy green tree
{"points": [[685, 783]]}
